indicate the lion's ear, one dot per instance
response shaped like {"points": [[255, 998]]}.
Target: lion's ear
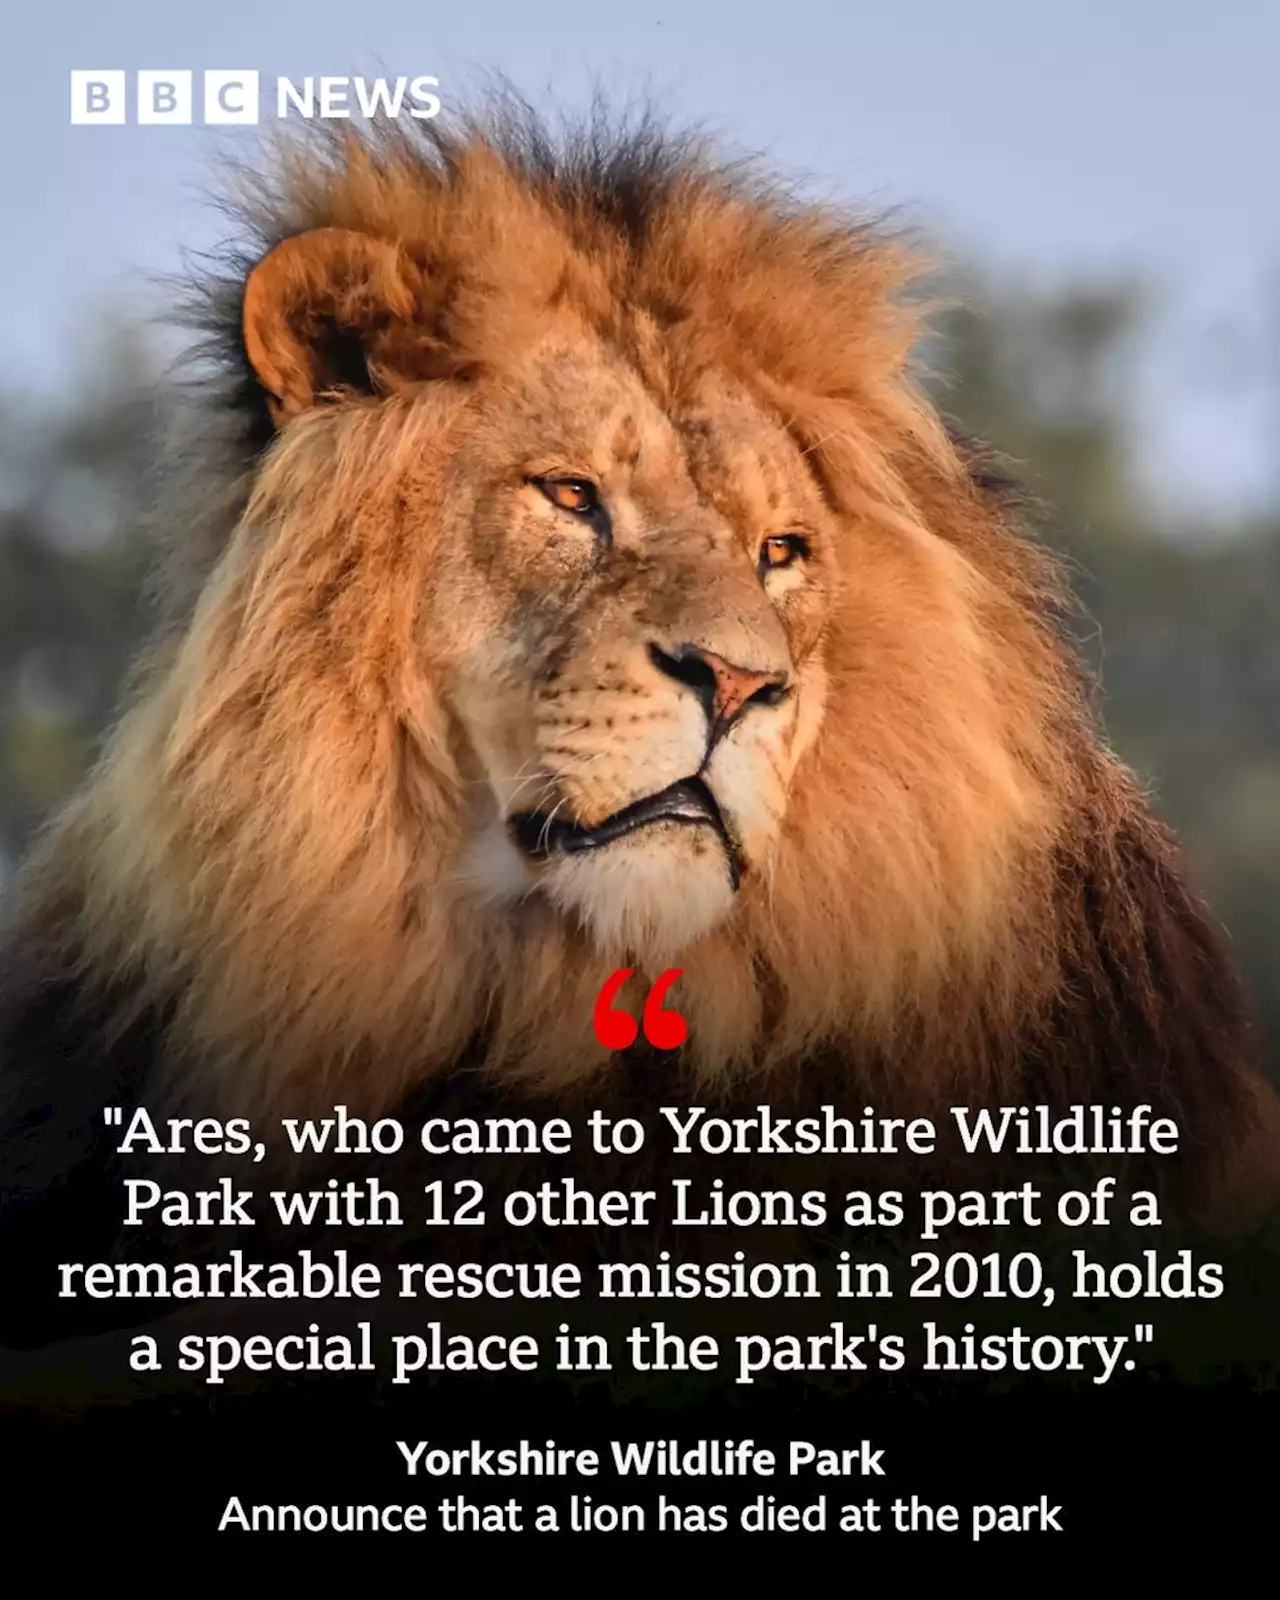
{"points": [[323, 314]]}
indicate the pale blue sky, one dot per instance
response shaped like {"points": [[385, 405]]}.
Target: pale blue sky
{"points": [[1097, 137]]}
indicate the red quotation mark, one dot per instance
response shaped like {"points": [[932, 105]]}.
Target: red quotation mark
{"points": [[616, 1030]]}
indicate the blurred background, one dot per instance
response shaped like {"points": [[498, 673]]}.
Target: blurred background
{"points": [[1098, 180]]}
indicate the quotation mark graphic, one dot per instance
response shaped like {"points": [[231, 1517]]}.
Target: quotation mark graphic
{"points": [[616, 1030]]}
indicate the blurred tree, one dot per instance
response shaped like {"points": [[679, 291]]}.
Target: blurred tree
{"points": [[72, 487]]}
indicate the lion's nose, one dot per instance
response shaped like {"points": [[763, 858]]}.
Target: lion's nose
{"points": [[725, 688]]}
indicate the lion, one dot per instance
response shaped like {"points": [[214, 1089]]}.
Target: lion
{"points": [[585, 581]]}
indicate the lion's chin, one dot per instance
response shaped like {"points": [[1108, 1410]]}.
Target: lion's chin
{"points": [[652, 894]]}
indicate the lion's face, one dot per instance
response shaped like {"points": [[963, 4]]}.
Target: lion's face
{"points": [[625, 629]]}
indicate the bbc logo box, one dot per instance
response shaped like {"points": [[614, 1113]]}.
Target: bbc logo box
{"points": [[165, 97], [98, 97]]}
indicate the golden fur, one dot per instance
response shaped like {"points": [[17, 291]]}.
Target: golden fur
{"points": [[294, 846]]}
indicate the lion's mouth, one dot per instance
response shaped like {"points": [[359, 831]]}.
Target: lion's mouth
{"points": [[688, 803]]}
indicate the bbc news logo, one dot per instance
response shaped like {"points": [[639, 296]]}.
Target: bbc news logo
{"points": [[236, 97]]}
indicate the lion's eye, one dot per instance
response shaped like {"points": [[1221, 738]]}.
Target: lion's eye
{"points": [[782, 550], [571, 494]]}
